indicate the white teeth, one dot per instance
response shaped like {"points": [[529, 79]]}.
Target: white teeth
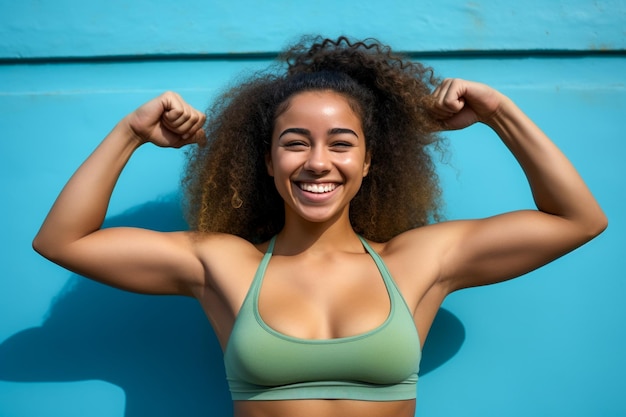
{"points": [[317, 188]]}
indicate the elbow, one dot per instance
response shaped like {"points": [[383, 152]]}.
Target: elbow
{"points": [[43, 248], [603, 223], [38, 246], [596, 225]]}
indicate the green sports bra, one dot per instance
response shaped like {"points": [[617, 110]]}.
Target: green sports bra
{"points": [[378, 365]]}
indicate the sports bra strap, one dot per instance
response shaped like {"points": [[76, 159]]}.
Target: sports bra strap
{"points": [[260, 273]]}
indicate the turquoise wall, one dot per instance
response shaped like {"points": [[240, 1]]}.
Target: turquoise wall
{"points": [[550, 343]]}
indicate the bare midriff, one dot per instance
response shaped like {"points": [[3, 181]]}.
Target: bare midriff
{"points": [[324, 408]]}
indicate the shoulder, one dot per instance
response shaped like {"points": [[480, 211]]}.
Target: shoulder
{"points": [[227, 259], [217, 248], [431, 239], [419, 256]]}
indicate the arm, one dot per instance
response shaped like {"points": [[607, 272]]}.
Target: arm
{"points": [[491, 250], [133, 259]]}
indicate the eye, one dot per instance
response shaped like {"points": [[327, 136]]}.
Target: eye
{"points": [[341, 145], [295, 144]]}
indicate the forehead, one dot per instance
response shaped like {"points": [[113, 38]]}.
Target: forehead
{"points": [[312, 104]]}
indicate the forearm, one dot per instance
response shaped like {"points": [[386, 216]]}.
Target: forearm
{"points": [[81, 206], [557, 187]]}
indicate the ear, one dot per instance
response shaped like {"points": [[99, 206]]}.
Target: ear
{"points": [[367, 163], [269, 165]]}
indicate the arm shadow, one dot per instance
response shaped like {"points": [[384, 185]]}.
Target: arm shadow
{"points": [[160, 350], [445, 339]]}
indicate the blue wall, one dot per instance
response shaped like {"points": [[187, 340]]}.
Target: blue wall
{"points": [[550, 343]]}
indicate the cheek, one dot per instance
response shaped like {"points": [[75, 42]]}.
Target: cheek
{"points": [[353, 162], [348, 159], [281, 165]]}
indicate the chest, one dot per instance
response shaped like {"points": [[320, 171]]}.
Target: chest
{"points": [[323, 298], [322, 323]]}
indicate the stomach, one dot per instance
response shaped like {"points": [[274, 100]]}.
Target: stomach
{"points": [[324, 408]]}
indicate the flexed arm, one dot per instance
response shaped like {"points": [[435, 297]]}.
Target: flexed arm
{"points": [[138, 260], [505, 246]]}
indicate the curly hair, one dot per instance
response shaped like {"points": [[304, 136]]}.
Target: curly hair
{"points": [[227, 187]]}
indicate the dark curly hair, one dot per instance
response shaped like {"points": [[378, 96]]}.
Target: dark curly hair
{"points": [[227, 187]]}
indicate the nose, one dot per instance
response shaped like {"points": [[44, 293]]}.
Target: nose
{"points": [[318, 160]]}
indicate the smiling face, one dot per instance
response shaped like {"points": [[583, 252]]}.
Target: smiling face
{"points": [[318, 157]]}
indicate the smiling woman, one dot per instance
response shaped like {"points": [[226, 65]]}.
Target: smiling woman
{"points": [[314, 250], [318, 156]]}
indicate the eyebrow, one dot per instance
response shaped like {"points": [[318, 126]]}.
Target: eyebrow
{"points": [[307, 132]]}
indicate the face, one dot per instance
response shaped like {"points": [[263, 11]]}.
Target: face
{"points": [[318, 157]]}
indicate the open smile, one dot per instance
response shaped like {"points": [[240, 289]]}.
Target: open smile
{"points": [[317, 188]]}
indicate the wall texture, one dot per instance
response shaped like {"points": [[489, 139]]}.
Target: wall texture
{"points": [[547, 344]]}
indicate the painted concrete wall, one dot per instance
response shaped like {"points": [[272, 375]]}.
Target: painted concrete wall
{"points": [[43, 28], [547, 344]]}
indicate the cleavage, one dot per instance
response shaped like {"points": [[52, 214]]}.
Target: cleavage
{"points": [[335, 299]]}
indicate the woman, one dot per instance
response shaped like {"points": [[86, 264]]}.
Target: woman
{"points": [[313, 251]]}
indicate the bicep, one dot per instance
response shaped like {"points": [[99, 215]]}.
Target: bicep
{"points": [[486, 251], [136, 260]]}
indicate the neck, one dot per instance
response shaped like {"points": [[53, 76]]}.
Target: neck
{"points": [[299, 236]]}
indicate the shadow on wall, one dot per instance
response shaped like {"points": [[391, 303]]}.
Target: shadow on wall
{"points": [[160, 350]]}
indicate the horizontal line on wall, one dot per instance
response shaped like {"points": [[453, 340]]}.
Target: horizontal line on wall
{"points": [[251, 56]]}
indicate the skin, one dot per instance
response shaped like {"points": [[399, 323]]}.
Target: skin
{"points": [[319, 140]]}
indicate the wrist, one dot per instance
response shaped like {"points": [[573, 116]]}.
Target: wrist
{"points": [[126, 132], [505, 113]]}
